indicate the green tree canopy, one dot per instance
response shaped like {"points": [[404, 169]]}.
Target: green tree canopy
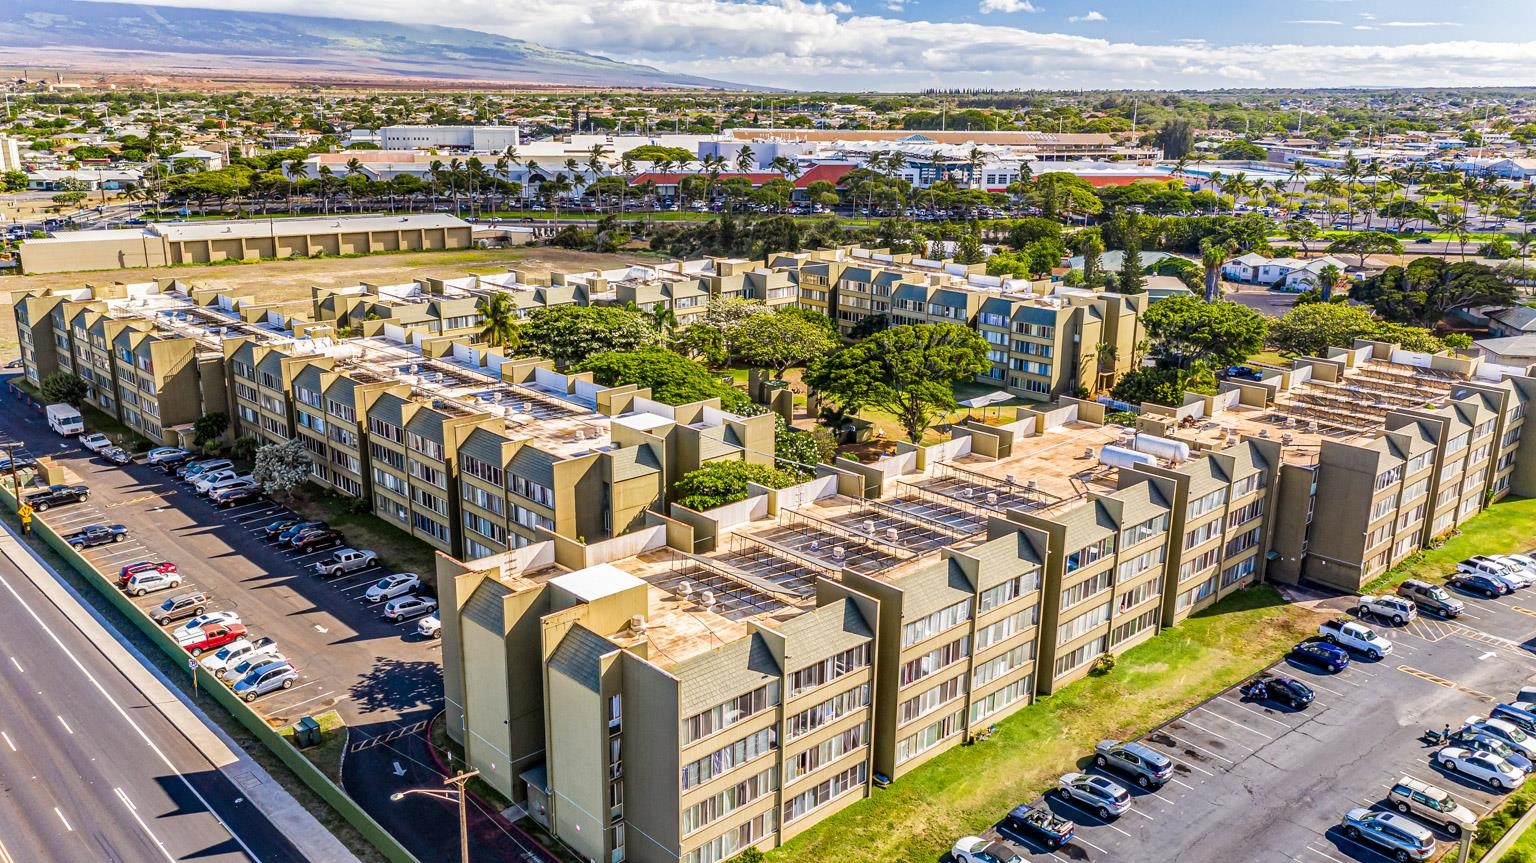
{"points": [[1365, 243], [1428, 289], [63, 387], [1184, 331], [566, 334], [908, 370], [1163, 386], [1240, 150], [718, 483], [1312, 328], [672, 378], [779, 341]]}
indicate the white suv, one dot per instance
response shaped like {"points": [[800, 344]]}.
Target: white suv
{"points": [[151, 580]]}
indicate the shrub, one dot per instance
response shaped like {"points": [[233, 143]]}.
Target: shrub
{"points": [[721, 482], [1103, 665]]}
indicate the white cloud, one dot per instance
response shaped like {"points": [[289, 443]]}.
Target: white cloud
{"points": [[1091, 15], [894, 5], [1362, 27], [1369, 16], [1317, 21], [806, 45], [1419, 24], [1007, 6]]}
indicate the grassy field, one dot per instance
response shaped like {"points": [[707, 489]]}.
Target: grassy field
{"points": [[333, 738], [290, 281], [1524, 849], [1506, 527], [967, 789]]}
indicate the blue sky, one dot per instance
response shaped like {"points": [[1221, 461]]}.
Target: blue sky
{"points": [[1008, 44]]}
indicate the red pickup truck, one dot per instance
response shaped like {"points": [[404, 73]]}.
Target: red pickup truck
{"points": [[211, 637]]}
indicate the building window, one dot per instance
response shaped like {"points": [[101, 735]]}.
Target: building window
{"points": [[1081, 656], [728, 713], [1141, 563], [1144, 531], [491, 473], [716, 763], [997, 595], [916, 744], [831, 710], [1086, 590], [918, 706], [1090, 553], [828, 670], [1195, 594], [1006, 628], [1239, 571], [939, 621], [712, 809], [991, 703], [826, 752], [1082, 624], [1140, 623], [997, 666]]}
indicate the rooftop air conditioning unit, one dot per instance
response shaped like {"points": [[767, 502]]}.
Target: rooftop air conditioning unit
{"points": [[869, 525], [992, 498], [1008, 479], [687, 589], [838, 553], [709, 599], [891, 534]]}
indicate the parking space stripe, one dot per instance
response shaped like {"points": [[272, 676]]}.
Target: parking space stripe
{"points": [[1191, 723], [1240, 706], [1316, 685], [1183, 742], [1234, 722], [1328, 856], [1072, 803]]}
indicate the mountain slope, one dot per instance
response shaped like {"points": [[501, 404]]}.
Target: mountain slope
{"points": [[265, 40]]}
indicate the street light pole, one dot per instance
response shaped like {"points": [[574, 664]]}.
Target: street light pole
{"points": [[458, 796]]}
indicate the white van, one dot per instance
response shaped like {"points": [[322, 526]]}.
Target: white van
{"points": [[65, 420]]}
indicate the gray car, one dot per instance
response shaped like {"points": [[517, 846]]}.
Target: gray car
{"points": [[1148, 767], [266, 678]]}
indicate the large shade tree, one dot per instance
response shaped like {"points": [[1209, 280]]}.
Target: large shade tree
{"points": [[1184, 331], [1428, 289], [566, 334], [909, 371]]}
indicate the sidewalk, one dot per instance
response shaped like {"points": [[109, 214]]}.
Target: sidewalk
{"points": [[295, 822]]}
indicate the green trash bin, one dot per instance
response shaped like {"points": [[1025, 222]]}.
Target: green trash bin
{"points": [[306, 732]]}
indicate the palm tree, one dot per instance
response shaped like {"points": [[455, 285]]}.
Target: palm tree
{"points": [[435, 171], [1299, 172], [975, 159], [455, 168], [1328, 279], [595, 159], [499, 318], [1350, 172], [746, 160], [1212, 257], [327, 177], [533, 167], [553, 189], [664, 319], [1180, 165], [1104, 355], [297, 171], [576, 179], [782, 165], [1327, 184], [1455, 225]]}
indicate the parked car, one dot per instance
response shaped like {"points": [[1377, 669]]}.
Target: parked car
{"points": [[345, 560], [93, 535], [150, 581], [56, 495], [1354, 635], [1482, 766], [236, 495], [20, 461], [192, 471], [974, 849], [1500, 730], [312, 540], [287, 534], [170, 464], [430, 626], [1431, 598], [142, 566], [1521, 718], [1279, 688], [95, 441], [391, 586], [1104, 797], [266, 678], [239, 670], [202, 620], [1394, 608], [407, 607], [271, 529], [163, 454], [1482, 564], [1026, 822], [1516, 574], [207, 479], [1480, 742], [1486, 585], [1429, 803], [179, 606], [1401, 837], [227, 483], [211, 637], [116, 455], [1142, 763], [235, 652], [1321, 654]]}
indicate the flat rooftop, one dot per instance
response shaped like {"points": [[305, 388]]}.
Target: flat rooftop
{"points": [[1044, 472]]}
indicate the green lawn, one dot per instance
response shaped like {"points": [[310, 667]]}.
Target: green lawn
{"points": [[397, 549], [1524, 849], [966, 789], [1506, 527], [1492, 828]]}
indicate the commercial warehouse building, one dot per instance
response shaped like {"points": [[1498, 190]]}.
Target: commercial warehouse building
{"points": [[166, 243]]}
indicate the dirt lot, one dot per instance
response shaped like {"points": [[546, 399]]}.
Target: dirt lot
{"points": [[290, 280]]}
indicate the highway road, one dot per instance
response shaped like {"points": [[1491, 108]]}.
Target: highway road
{"points": [[90, 769]]}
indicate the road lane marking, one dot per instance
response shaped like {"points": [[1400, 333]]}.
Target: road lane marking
{"points": [[8, 742], [63, 723], [18, 665], [122, 712], [5, 856], [134, 811], [62, 818]]}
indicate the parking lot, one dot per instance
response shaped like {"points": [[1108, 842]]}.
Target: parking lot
{"points": [[1261, 782], [375, 672]]}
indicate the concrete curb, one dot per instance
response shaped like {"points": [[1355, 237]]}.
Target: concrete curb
{"points": [[1507, 841], [295, 822]]}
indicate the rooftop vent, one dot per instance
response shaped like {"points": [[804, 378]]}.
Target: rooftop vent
{"points": [[637, 623]]}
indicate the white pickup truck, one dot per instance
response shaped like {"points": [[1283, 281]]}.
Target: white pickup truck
{"points": [[345, 560], [1387, 607], [1354, 635]]}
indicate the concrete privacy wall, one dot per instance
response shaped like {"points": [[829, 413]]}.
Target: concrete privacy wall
{"points": [[628, 545], [1224, 401], [1088, 412], [948, 450], [1058, 417], [1300, 375], [796, 496], [877, 474], [708, 526]]}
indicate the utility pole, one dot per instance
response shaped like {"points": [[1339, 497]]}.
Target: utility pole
{"points": [[455, 796]]}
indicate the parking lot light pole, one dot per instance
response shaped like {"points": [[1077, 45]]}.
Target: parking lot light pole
{"points": [[455, 796]]}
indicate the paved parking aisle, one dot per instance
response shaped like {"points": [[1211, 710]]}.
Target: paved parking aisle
{"points": [[1256, 781]]}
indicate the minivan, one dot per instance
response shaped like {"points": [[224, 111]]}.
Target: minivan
{"points": [[208, 479], [1525, 720], [205, 467]]}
